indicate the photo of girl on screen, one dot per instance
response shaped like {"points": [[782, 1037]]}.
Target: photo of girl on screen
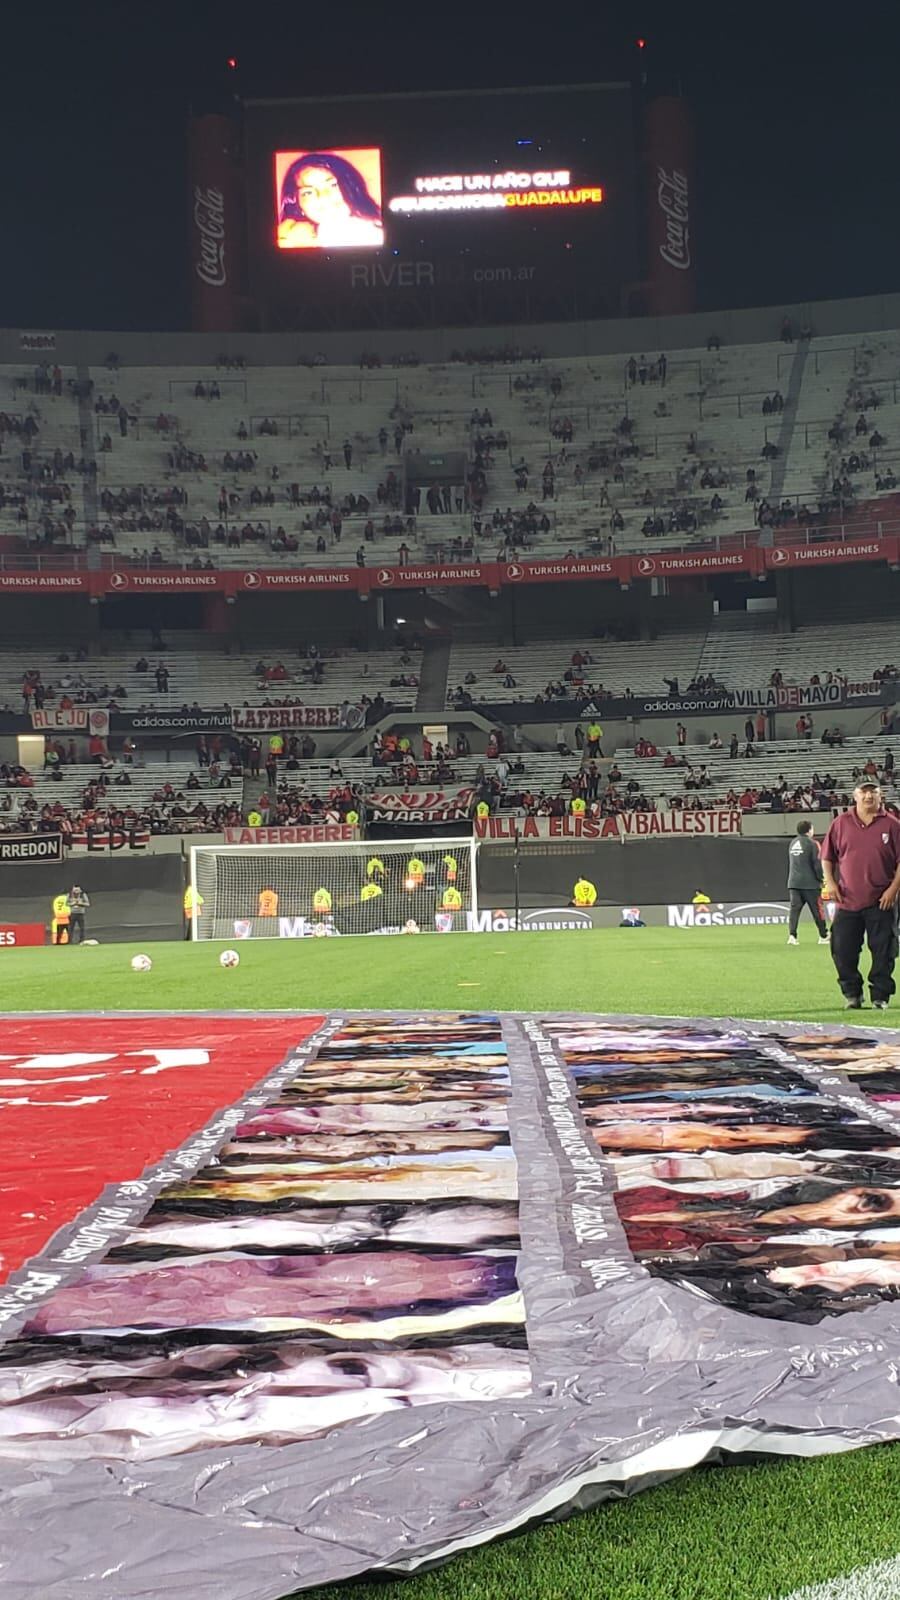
{"points": [[329, 199]]}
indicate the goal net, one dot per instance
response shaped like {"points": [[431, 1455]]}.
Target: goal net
{"points": [[295, 891]]}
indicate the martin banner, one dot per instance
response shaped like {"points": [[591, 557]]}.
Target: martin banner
{"points": [[420, 805]]}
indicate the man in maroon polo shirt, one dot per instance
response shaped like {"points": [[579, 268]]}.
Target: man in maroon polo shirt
{"points": [[861, 863]]}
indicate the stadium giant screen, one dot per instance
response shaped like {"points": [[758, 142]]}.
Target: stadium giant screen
{"points": [[409, 210]]}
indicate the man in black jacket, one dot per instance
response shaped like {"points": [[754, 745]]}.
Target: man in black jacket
{"points": [[805, 881]]}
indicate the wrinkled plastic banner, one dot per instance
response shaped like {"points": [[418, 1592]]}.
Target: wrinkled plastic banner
{"points": [[431, 1277]]}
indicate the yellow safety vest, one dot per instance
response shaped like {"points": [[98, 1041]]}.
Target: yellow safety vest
{"points": [[482, 809], [585, 893], [352, 818], [321, 900], [579, 806], [375, 864], [415, 870], [452, 899], [452, 865], [254, 819], [370, 891], [267, 904]]}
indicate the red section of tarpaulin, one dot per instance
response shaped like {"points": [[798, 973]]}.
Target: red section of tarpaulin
{"points": [[110, 1105]]}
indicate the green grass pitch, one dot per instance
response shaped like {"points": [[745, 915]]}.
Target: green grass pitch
{"points": [[754, 1532]]}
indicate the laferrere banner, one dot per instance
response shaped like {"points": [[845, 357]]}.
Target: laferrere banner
{"points": [[276, 719]]}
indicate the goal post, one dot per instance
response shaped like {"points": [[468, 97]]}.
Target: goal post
{"points": [[294, 891]]}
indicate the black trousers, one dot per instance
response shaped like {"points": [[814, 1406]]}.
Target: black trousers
{"points": [[76, 924], [805, 897], [879, 929]]}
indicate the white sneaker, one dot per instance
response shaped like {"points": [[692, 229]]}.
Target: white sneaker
{"points": [[792, 940], [824, 939]]}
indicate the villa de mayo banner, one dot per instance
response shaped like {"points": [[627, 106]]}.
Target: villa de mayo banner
{"points": [[294, 1298], [624, 826]]}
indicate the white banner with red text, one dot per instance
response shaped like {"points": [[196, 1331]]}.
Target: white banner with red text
{"points": [[66, 719], [625, 825]]}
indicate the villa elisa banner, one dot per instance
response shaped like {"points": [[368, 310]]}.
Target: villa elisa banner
{"points": [[627, 825]]}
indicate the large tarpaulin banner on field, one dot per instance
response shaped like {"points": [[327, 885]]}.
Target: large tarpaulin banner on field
{"points": [[529, 1232]]}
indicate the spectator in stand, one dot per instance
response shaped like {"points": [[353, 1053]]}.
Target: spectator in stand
{"points": [[681, 734]]}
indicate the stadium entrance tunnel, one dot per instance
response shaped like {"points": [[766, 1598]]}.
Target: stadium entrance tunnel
{"points": [[264, 1242]]}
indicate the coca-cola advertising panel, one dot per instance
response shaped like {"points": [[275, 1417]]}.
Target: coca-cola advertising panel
{"points": [[671, 206], [213, 225]]}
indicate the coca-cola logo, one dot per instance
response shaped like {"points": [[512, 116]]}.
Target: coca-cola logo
{"points": [[672, 196], [209, 220]]}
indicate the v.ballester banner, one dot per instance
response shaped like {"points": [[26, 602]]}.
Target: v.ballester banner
{"points": [[525, 1231]]}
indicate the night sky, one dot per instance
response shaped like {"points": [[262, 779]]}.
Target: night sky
{"points": [[796, 110]]}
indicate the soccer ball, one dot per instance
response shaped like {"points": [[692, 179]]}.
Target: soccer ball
{"points": [[141, 963], [229, 958], [320, 931]]}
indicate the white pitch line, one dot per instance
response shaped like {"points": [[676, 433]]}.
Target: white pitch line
{"points": [[881, 1581]]}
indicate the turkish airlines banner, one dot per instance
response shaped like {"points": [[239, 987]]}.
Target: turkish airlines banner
{"points": [[274, 719], [804, 555], [45, 583], [688, 564], [671, 206], [214, 228], [264, 578], [564, 571], [420, 805], [627, 825], [158, 579], [314, 833], [465, 574], [364, 580]]}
